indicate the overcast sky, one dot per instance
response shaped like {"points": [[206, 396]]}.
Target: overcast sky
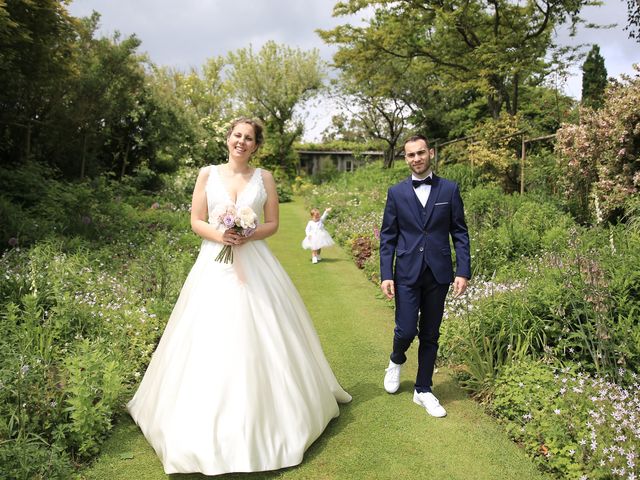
{"points": [[184, 34]]}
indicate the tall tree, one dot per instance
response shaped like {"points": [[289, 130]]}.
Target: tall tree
{"points": [[36, 41], [207, 103], [106, 102], [594, 79], [384, 119], [490, 47], [105, 87], [380, 110], [270, 84]]}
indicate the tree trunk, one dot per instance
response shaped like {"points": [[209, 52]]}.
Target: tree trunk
{"points": [[516, 90], [389, 156], [83, 161], [27, 153], [125, 159], [494, 106], [495, 98]]}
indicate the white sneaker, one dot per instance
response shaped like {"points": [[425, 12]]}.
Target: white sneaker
{"points": [[429, 401], [392, 377], [314, 259]]}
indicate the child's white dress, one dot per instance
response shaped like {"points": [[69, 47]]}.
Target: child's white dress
{"points": [[317, 237]]}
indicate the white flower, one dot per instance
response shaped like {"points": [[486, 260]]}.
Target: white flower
{"points": [[247, 217]]}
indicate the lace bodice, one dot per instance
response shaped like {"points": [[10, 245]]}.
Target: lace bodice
{"points": [[253, 195]]}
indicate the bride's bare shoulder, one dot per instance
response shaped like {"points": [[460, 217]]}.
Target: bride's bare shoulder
{"points": [[203, 176], [204, 172], [267, 176]]}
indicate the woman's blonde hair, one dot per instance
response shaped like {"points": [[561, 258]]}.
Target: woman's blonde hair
{"points": [[257, 128]]}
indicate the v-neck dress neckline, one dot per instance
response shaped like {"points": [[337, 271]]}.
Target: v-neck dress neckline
{"points": [[240, 192]]}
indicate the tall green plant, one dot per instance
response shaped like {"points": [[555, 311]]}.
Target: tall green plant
{"points": [[500, 331], [594, 79]]}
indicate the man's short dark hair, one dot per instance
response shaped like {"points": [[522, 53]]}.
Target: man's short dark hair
{"points": [[415, 138]]}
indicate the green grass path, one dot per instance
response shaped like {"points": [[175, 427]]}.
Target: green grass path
{"points": [[377, 436]]}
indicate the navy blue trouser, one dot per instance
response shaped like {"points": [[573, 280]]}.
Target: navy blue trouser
{"points": [[419, 310]]}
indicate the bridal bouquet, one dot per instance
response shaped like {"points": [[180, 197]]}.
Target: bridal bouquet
{"points": [[243, 220]]}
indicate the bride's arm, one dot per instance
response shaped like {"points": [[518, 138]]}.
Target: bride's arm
{"points": [[271, 210], [199, 210]]}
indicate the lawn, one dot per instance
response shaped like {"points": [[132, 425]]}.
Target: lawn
{"points": [[377, 436]]}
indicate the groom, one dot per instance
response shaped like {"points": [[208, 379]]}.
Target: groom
{"points": [[421, 213]]}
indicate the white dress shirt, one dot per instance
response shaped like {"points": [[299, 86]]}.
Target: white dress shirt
{"points": [[423, 191]]}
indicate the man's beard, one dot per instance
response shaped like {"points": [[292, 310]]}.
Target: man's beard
{"points": [[425, 167]]}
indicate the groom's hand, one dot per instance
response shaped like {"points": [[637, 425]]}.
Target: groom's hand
{"points": [[388, 288], [459, 286]]}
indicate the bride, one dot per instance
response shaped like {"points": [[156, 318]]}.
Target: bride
{"points": [[239, 381]]}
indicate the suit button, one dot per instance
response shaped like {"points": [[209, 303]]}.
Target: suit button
{"points": [[421, 249]]}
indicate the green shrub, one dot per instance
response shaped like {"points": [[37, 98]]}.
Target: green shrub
{"points": [[501, 330], [26, 184], [33, 459], [94, 385], [462, 174], [285, 192], [506, 228], [573, 424], [522, 387], [488, 206], [16, 228], [81, 312]]}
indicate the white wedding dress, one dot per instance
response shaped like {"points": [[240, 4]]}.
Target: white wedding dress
{"points": [[239, 381]]}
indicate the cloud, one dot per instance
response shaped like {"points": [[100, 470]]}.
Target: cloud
{"points": [[185, 34]]}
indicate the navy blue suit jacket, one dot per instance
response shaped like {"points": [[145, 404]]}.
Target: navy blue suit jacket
{"points": [[414, 236]]}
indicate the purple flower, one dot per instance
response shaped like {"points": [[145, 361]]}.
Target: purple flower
{"points": [[85, 219], [229, 221], [13, 241]]}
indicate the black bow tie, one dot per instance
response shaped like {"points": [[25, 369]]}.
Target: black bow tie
{"points": [[424, 181]]}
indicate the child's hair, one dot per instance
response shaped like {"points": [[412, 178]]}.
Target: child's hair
{"points": [[314, 211]]}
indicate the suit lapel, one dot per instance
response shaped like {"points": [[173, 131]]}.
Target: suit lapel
{"points": [[412, 201], [433, 195]]}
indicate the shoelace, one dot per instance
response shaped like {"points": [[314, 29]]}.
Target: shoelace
{"points": [[396, 371]]}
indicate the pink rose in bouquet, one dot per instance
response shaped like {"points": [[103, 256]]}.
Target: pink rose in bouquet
{"points": [[243, 220]]}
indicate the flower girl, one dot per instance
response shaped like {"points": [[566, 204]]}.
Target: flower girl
{"points": [[317, 237]]}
